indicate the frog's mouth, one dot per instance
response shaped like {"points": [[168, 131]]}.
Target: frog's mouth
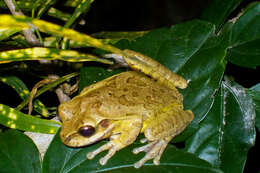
{"points": [[77, 140]]}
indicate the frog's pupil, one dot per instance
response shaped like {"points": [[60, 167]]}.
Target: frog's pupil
{"points": [[86, 131]]}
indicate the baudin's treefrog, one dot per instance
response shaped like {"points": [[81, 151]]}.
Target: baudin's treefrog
{"points": [[124, 105]]}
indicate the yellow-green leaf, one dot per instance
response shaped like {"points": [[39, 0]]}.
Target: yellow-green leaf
{"points": [[21, 22], [7, 32], [39, 53], [15, 119]]}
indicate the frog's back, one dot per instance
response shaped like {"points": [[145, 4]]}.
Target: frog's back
{"points": [[132, 93]]}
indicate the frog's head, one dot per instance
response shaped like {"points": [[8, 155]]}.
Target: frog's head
{"points": [[82, 128]]}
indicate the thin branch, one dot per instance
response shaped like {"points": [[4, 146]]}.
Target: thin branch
{"points": [[28, 33]]}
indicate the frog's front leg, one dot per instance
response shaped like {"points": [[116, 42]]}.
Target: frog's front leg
{"points": [[125, 133], [160, 131]]}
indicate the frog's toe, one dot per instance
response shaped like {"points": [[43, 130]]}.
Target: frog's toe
{"points": [[144, 148], [92, 154], [139, 163], [144, 140], [149, 155], [110, 153], [153, 151]]}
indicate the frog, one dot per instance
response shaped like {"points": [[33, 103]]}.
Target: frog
{"points": [[144, 100]]}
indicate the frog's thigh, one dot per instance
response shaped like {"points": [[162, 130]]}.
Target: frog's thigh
{"points": [[168, 124], [126, 133]]}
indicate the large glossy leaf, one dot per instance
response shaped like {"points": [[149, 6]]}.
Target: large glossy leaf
{"points": [[246, 38], [192, 50], [93, 74], [74, 161], [18, 153], [218, 10], [254, 92], [228, 131]]}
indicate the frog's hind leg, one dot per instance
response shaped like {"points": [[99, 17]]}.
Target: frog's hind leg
{"points": [[154, 69], [160, 131], [126, 132]]}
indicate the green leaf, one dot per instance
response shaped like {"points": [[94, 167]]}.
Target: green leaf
{"points": [[82, 7], [218, 11], [16, 84], [172, 47], [24, 93], [5, 33], [90, 75], [132, 35], [18, 153], [52, 42], [44, 7], [74, 160], [53, 12], [22, 4], [228, 130], [246, 38], [12, 118], [254, 92], [72, 3]]}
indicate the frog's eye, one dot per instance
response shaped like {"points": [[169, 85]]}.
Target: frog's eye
{"points": [[86, 131]]}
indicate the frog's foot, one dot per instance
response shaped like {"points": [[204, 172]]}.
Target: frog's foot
{"points": [[153, 151], [110, 146]]}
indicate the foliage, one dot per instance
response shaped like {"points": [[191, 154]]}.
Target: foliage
{"points": [[226, 113]]}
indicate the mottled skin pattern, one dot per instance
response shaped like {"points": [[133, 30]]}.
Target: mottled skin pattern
{"points": [[123, 106]]}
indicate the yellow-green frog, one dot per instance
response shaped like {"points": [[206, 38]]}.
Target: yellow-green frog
{"points": [[125, 105]]}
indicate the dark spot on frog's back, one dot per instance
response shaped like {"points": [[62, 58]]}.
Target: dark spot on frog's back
{"points": [[162, 90], [137, 81], [97, 105], [148, 99], [135, 94], [130, 79]]}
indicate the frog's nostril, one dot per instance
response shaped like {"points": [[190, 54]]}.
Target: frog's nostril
{"points": [[86, 131]]}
